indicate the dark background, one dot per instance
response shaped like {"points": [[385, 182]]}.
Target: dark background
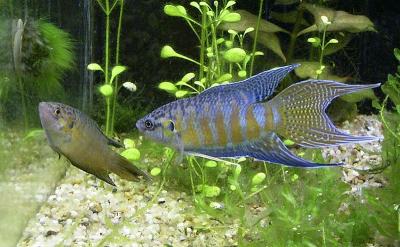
{"points": [[146, 29]]}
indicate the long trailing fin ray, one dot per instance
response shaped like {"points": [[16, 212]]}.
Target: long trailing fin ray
{"points": [[256, 88], [302, 116]]}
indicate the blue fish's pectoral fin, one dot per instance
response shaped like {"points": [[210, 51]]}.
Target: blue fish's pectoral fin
{"points": [[256, 88], [180, 148], [271, 149]]}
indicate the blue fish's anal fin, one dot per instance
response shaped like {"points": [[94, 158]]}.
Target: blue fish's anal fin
{"points": [[268, 148], [271, 149], [256, 88]]}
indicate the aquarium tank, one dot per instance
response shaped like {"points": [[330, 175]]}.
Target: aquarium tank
{"points": [[200, 123]]}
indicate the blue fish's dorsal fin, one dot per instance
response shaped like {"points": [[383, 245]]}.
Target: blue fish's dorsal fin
{"points": [[256, 88]]}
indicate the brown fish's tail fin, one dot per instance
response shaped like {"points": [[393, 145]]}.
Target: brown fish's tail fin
{"points": [[126, 170], [299, 113]]}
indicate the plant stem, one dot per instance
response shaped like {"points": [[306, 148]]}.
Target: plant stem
{"points": [[116, 87], [202, 41], [256, 37], [106, 66], [215, 47]]}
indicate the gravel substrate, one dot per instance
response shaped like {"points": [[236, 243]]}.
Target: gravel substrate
{"points": [[30, 173], [83, 212]]}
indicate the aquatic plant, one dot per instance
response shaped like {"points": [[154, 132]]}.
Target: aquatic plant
{"points": [[222, 56], [110, 87], [385, 202], [41, 53]]}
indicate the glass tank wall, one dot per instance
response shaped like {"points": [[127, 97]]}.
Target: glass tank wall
{"points": [[115, 61]]}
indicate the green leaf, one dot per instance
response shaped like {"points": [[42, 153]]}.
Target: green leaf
{"points": [[181, 93], [210, 191], [315, 41], [188, 77], [258, 178], [178, 11], [116, 70], [129, 143], [224, 77], [270, 41], [196, 5], [211, 164], [94, 67], [34, 133], [343, 40], [288, 142], [231, 17], [309, 70], [167, 51], [106, 90], [397, 53], [249, 20], [230, 4], [236, 173], [235, 55], [131, 154], [340, 20], [168, 86], [155, 171], [242, 73]]}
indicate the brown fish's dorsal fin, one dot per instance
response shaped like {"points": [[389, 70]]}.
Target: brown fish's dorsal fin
{"points": [[114, 143]]}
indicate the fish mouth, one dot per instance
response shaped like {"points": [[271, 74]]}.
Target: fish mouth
{"points": [[45, 112]]}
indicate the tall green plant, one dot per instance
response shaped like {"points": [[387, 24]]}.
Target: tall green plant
{"points": [[110, 87]]}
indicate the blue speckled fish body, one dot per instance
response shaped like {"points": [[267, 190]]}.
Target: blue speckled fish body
{"points": [[232, 120]]}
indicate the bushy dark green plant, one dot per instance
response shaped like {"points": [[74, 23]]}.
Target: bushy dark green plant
{"points": [[41, 53]]}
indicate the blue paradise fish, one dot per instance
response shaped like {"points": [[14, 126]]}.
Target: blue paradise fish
{"points": [[232, 120]]}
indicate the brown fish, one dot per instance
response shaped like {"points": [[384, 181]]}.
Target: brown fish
{"points": [[77, 137]]}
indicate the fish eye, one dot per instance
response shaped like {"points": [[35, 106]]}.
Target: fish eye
{"points": [[57, 111], [148, 124]]}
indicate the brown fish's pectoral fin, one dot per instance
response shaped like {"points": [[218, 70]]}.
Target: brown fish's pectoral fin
{"points": [[180, 147]]}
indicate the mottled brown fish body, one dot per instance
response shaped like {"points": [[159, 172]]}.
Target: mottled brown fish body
{"points": [[78, 138]]}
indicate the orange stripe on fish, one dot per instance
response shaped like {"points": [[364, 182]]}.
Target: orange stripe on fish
{"points": [[235, 129], [220, 126], [252, 127], [206, 130], [189, 135]]}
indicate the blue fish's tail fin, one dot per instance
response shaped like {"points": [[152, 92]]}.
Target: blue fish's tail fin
{"points": [[299, 113]]}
